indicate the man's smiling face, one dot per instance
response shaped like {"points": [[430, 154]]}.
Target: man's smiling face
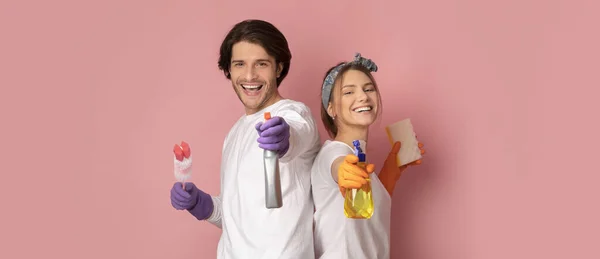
{"points": [[254, 76]]}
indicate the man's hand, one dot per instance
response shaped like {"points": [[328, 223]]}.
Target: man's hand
{"points": [[192, 199], [274, 135]]}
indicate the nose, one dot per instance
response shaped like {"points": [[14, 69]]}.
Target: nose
{"points": [[250, 73], [361, 96]]}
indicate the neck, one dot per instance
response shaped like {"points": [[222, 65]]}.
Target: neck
{"points": [[347, 135], [268, 102]]}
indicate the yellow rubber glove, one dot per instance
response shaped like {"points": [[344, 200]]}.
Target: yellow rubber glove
{"points": [[390, 172], [352, 176]]}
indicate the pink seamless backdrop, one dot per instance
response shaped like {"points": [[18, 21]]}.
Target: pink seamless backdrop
{"points": [[94, 95]]}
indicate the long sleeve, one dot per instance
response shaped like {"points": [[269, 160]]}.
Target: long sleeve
{"points": [[215, 217], [304, 134], [217, 214]]}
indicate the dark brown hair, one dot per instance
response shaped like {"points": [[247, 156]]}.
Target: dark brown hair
{"points": [[329, 122], [258, 32]]}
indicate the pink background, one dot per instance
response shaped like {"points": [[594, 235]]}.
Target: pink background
{"points": [[502, 93]]}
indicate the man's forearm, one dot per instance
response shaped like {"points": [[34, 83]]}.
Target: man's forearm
{"points": [[215, 217], [302, 137]]}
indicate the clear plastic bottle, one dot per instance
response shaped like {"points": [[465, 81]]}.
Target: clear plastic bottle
{"points": [[358, 203]]}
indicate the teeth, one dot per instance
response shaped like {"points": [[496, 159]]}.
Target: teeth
{"points": [[251, 86], [362, 109]]}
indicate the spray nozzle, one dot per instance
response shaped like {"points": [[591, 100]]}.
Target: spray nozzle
{"points": [[358, 151]]}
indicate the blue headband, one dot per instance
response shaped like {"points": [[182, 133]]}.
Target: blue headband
{"points": [[330, 79]]}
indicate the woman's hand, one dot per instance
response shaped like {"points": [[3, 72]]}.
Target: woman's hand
{"points": [[352, 176], [391, 172]]}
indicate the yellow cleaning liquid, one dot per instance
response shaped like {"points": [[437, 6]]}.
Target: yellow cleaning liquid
{"points": [[358, 203]]}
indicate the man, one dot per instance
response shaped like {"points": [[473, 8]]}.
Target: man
{"points": [[255, 57]]}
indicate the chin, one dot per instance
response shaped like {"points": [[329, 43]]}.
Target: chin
{"points": [[364, 121], [252, 104]]}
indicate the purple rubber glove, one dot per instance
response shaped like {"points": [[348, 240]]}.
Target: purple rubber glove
{"points": [[191, 199], [274, 135]]}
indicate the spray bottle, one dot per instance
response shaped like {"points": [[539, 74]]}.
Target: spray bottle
{"points": [[358, 203], [273, 195]]}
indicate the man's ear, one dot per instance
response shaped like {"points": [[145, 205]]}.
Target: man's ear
{"points": [[279, 69]]}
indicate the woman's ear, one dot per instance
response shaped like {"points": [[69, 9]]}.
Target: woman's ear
{"points": [[330, 111]]}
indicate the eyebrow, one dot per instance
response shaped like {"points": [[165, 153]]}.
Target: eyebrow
{"points": [[366, 84], [258, 60]]}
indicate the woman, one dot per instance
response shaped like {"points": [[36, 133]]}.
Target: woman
{"points": [[350, 104]]}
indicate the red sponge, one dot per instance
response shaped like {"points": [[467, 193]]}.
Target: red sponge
{"points": [[178, 152], [185, 147], [182, 151]]}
